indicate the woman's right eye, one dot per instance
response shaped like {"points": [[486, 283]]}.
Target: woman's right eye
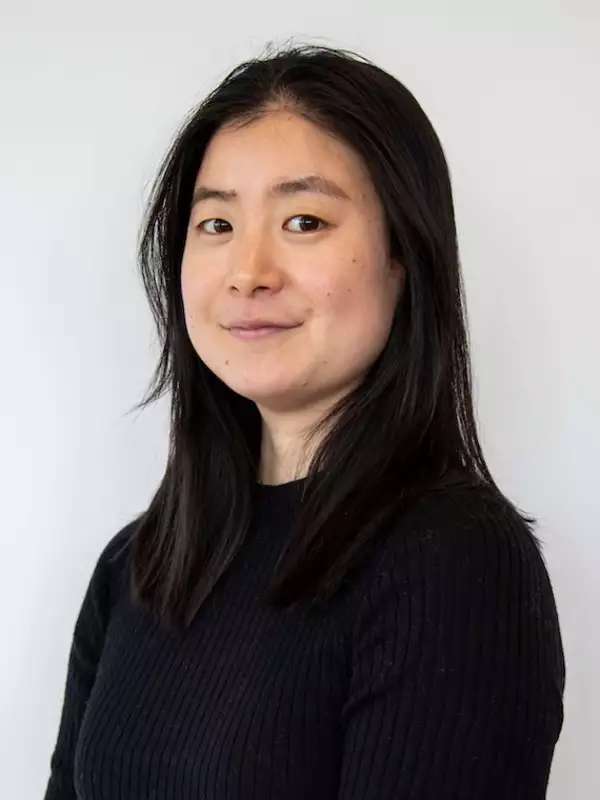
{"points": [[213, 219]]}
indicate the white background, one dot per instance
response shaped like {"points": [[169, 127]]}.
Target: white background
{"points": [[91, 95]]}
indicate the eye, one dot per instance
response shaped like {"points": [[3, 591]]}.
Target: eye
{"points": [[214, 219], [314, 219], [311, 217]]}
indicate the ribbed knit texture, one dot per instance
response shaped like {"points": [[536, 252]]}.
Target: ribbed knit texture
{"points": [[439, 674]]}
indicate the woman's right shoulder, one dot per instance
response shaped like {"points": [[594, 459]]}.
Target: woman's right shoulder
{"points": [[113, 558], [118, 545], [106, 582]]}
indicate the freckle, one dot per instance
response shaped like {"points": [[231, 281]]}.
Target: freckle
{"points": [[227, 362]]}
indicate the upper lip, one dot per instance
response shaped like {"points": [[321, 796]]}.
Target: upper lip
{"points": [[255, 322]]}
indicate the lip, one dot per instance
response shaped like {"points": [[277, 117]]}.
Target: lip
{"points": [[259, 333], [259, 322]]}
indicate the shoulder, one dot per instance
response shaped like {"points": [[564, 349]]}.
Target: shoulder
{"points": [[467, 541], [463, 521], [116, 549], [110, 568], [95, 608]]}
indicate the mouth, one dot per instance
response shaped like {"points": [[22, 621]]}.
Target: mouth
{"points": [[259, 333]]}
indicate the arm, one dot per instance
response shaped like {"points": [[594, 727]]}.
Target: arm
{"points": [[457, 665], [86, 647]]}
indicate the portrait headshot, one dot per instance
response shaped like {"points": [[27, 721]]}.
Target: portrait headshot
{"points": [[314, 511]]}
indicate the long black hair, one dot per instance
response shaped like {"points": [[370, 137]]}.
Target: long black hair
{"points": [[407, 429]]}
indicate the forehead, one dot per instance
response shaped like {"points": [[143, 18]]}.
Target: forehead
{"points": [[279, 154]]}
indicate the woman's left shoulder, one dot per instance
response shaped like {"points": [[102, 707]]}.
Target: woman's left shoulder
{"points": [[478, 519]]}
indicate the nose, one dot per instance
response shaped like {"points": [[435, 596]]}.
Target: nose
{"points": [[254, 265]]}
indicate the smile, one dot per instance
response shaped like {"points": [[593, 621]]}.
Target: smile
{"points": [[258, 333]]}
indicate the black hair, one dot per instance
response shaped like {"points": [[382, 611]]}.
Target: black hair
{"points": [[407, 429]]}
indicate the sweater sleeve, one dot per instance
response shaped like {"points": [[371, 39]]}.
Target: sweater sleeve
{"points": [[458, 670], [86, 647]]}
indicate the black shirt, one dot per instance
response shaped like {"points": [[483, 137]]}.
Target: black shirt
{"points": [[439, 676]]}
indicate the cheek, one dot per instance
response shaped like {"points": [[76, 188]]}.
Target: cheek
{"points": [[195, 295], [337, 294], [187, 286], [348, 297], [357, 314], [190, 304]]}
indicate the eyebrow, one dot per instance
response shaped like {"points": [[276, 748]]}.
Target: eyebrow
{"points": [[309, 183]]}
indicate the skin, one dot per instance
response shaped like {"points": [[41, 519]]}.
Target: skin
{"points": [[259, 256]]}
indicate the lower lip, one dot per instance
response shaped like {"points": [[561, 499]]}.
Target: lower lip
{"points": [[257, 333]]}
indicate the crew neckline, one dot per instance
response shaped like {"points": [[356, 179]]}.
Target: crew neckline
{"points": [[279, 488]]}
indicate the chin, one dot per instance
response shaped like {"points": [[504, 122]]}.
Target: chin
{"points": [[268, 393]]}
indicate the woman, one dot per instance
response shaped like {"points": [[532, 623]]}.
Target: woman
{"points": [[328, 596]]}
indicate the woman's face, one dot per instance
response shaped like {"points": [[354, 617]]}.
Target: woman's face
{"points": [[301, 257]]}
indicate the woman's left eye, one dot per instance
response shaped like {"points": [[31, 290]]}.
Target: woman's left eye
{"points": [[313, 218]]}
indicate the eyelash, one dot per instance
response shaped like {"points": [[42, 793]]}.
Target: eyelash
{"points": [[304, 216]]}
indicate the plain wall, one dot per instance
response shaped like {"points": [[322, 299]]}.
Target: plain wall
{"points": [[90, 99]]}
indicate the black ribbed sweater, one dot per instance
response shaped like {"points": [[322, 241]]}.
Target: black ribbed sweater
{"points": [[439, 676]]}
